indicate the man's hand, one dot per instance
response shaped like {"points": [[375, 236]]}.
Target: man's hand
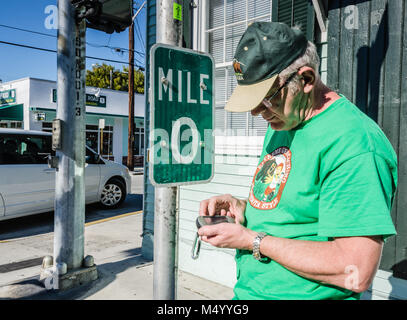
{"points": [[224, 205], [228, 235]]}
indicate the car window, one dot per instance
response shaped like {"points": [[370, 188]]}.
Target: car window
{"points": [[23, 149], [92, 158]]}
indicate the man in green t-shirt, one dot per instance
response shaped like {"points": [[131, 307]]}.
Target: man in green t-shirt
{"points": [[319, 205]]}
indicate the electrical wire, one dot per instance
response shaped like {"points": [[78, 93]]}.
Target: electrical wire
{"points": [[139, 35], [88, 43], [55, 51]]}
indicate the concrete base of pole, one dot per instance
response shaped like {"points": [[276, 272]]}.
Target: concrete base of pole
{"points": [[71, 279], [58, 278], [147, 247], [78, 277]]}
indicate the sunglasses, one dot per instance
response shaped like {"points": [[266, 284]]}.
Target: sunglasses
{"points": [[280, 88]]}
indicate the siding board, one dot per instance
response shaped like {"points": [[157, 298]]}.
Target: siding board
{"points": [[368, 65], [401, 219], [377, 52], [391, 99], [361, 57], [346, 45], [333, 45]]}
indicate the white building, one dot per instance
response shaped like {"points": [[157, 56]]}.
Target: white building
{"points": [[30, 104], [217, 28]]}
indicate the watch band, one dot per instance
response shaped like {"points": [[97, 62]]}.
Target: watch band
{"points": [[256, 246]]}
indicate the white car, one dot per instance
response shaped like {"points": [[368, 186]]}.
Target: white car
{"points": [[27, 183]]}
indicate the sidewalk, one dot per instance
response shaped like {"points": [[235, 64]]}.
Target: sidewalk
{"points": [[123, 274], [120, 278]]}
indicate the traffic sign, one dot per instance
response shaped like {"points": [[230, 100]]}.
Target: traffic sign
{"points": [[181, 116]]}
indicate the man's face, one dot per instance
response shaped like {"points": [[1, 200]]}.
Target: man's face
{"points": [[285, 111]]}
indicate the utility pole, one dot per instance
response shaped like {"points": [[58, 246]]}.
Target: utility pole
{"points": [[169, 31], [69, 219], [130, 144], [69, 188]]}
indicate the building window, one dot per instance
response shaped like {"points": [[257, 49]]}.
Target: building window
{"points": [[139, 141], [47, 126], [227, 22], [11, 124], [100, 140], [94, 138], [22, 149]]}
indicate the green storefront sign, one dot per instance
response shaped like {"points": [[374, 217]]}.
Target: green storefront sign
{"points": [[91, 99], [7, 96], [182, 116]]}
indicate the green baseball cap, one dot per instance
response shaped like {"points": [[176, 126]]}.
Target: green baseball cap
{"points": [[264, 50]]}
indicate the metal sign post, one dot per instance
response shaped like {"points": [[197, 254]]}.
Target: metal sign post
{"points": [[169, 31], [181, 120]]}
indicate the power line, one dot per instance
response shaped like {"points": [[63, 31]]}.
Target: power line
{"points": [[88, 43], [139, 35], [31, 31], [55, 51], [26, 46]]}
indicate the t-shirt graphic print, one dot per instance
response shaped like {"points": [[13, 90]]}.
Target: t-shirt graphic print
{"points": [[270, 178]]}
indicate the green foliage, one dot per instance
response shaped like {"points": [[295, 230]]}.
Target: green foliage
{"points": [[99, 77]]}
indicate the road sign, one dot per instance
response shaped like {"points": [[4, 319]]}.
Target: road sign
{"points": [[181, 116]]}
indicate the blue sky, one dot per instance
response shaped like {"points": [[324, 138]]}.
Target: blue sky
{"points": [[17, 62]]}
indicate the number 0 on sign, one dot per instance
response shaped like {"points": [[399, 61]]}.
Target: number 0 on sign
{"points": [[181, 116]]}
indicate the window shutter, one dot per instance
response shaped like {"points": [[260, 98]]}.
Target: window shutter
{"points": [[216, 13], [258, 8], [236, 11], [224, 32], [219, 120], [237, 121], [257, 125]]}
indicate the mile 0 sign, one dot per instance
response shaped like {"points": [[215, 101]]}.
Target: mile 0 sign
{"points": [[181, 116]]}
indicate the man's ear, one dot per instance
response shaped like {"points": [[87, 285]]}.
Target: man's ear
{"points": [[308, 78]]}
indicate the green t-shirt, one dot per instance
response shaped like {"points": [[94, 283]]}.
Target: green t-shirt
{"points": [[334, 175]]}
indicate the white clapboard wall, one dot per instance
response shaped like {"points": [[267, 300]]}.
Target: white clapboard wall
{"points": [[236, 159]]}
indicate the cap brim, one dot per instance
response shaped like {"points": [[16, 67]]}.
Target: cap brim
{"points": [[246, 97]]}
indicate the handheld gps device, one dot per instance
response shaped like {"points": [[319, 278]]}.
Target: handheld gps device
{"points": [[205, 221]]}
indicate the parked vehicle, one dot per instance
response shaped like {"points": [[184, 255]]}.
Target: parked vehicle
{"points": [[27, 183]]}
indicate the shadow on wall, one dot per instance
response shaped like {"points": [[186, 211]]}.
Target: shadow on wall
{"points": [[370, 59]]}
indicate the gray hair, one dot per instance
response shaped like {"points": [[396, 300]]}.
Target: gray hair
{"points": [[310, 59]]}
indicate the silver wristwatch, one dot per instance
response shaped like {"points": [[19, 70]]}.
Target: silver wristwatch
{"points": [[256, 246]]}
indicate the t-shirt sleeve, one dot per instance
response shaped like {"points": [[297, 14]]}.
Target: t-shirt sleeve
{"points": [[356, 198]]}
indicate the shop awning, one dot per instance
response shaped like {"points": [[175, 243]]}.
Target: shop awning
{"points": [[13, 112]]}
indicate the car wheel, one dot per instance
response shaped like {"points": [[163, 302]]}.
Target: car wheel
{"points": [[113, 194]]}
